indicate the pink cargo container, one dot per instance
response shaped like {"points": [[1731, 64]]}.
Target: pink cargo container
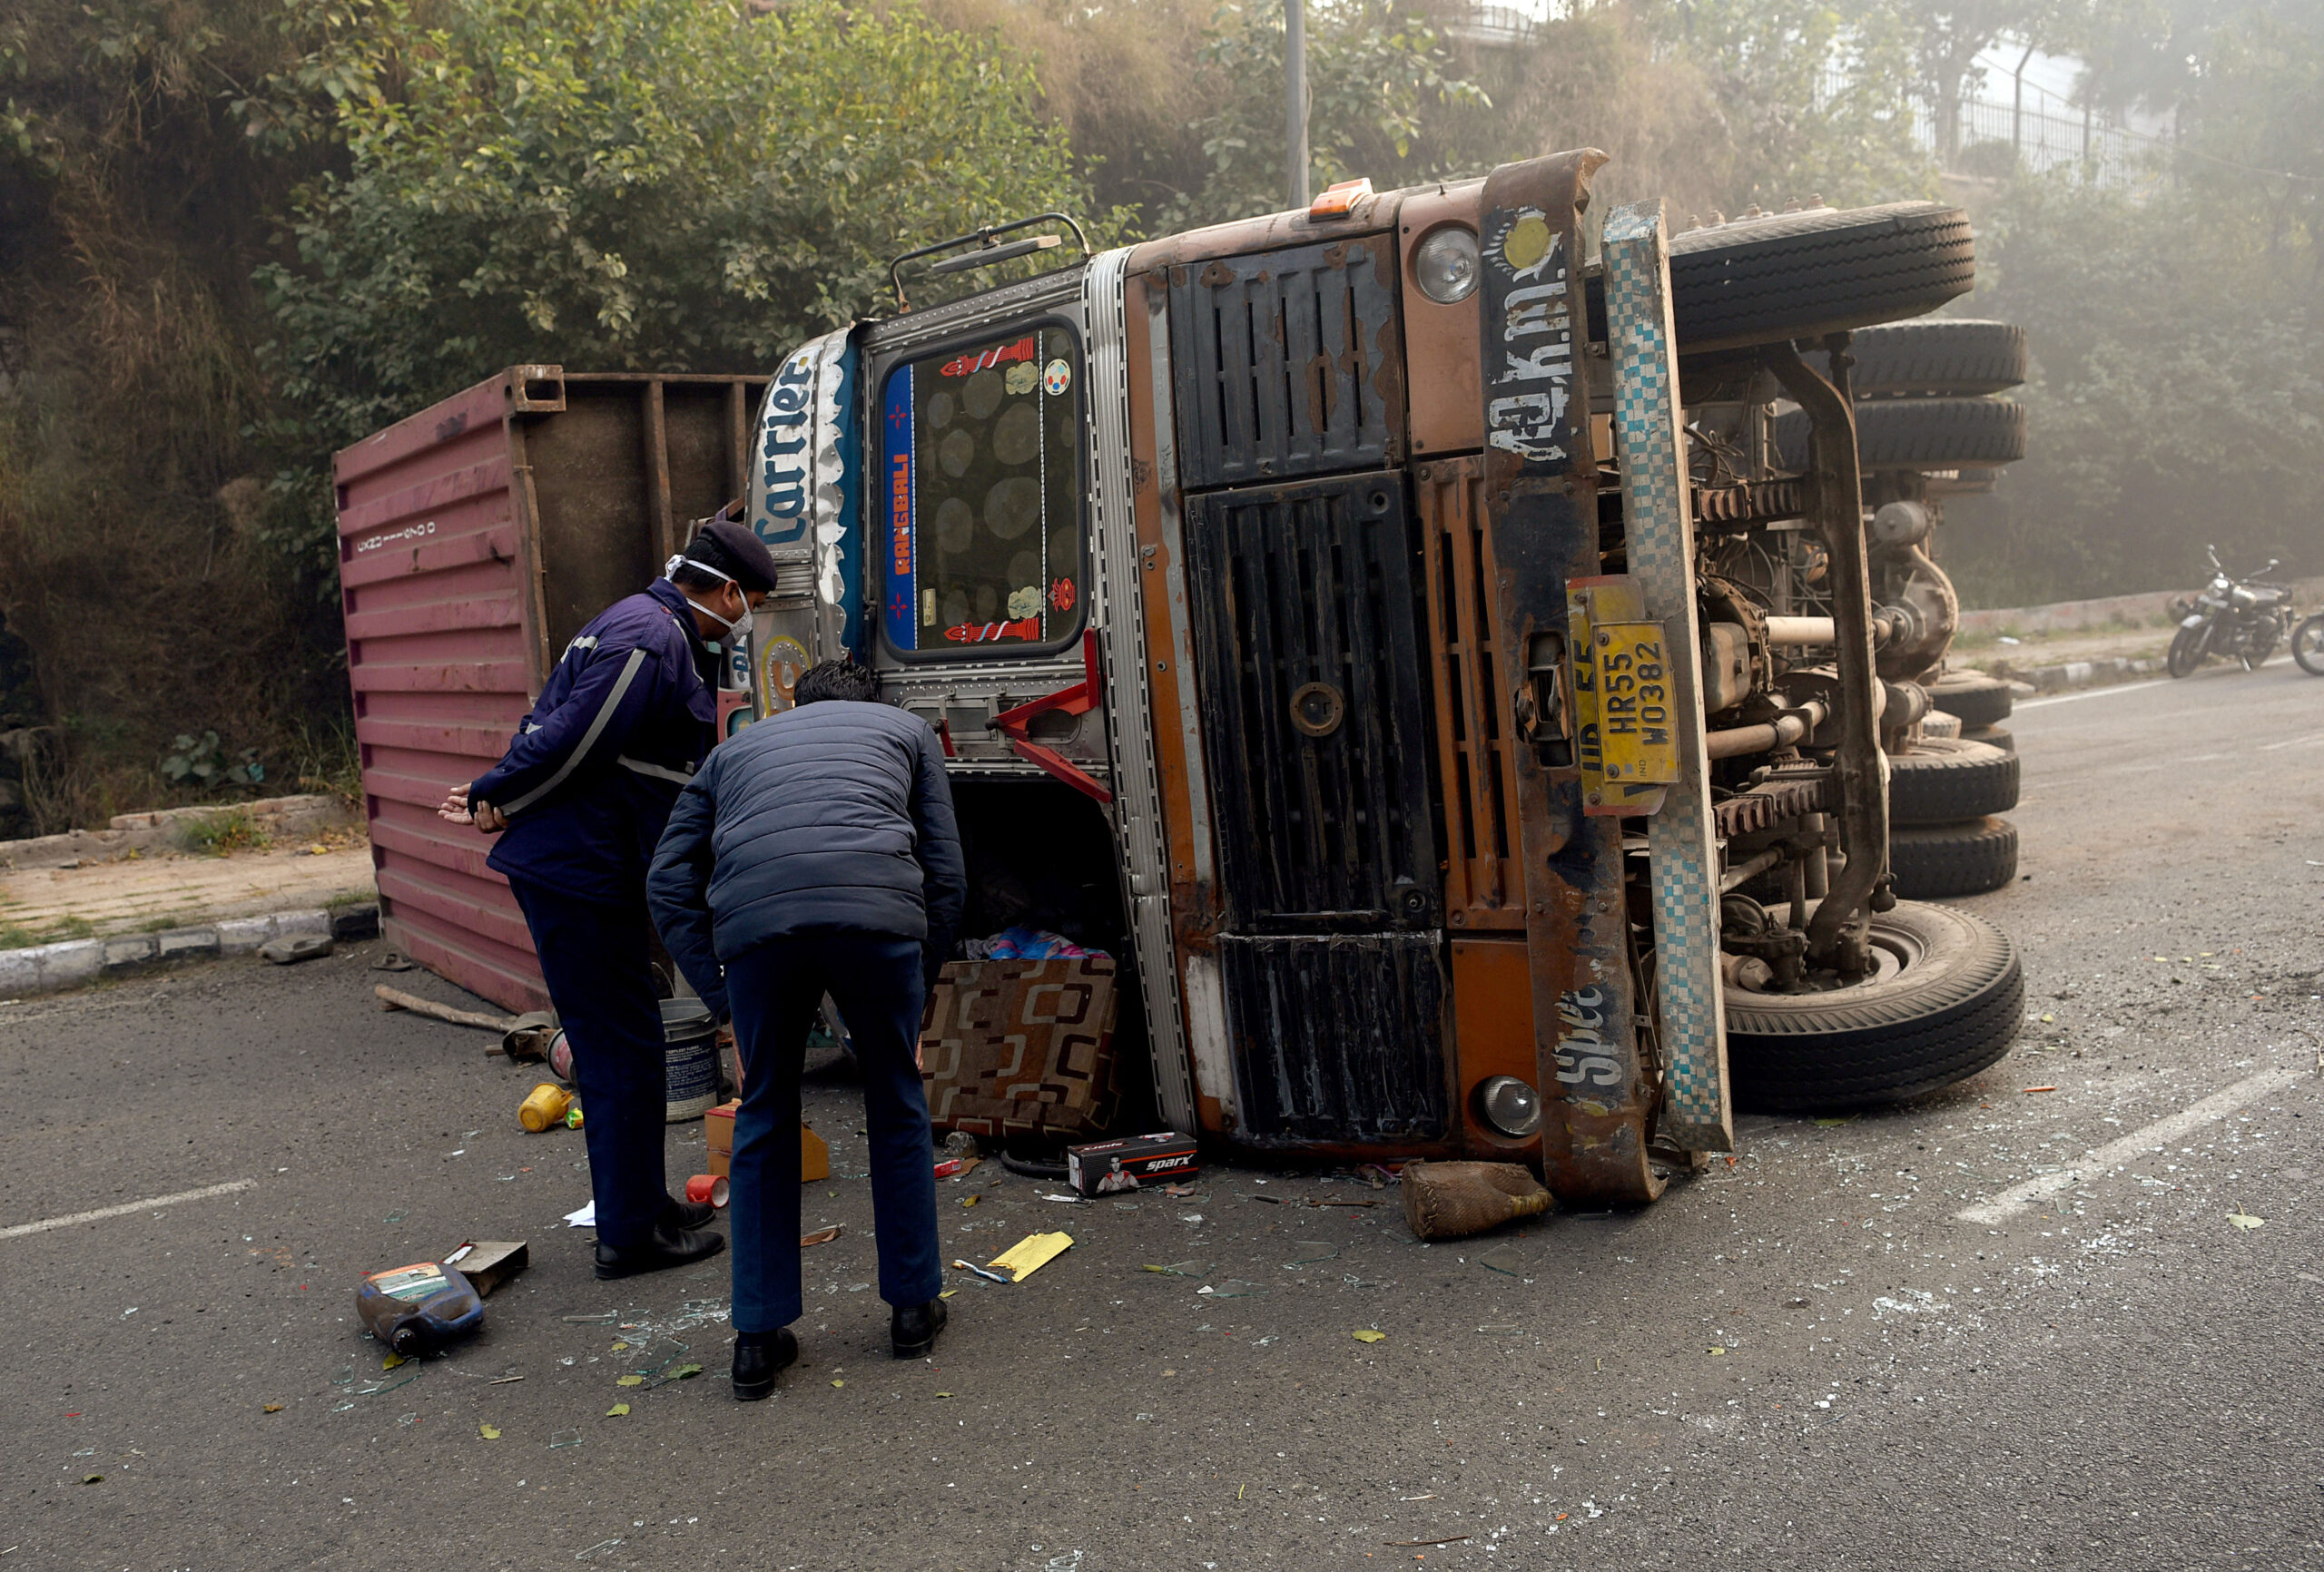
{"points": [[475, 539]]}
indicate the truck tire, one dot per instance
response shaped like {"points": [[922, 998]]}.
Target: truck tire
{"points": [[1920, 433], [1939, 861], [1936, 355], [1944, 780], [1998, 737], [1945, 1003], [1978, 700], [1798, 275]]}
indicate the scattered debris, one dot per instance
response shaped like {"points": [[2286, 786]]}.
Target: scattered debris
{"points": [[544, 1108], [1182, 1269], [618, 1410], [1032, 1252], [421, 1308], [489, 1432], [488, 1263], [293, 948], [393, 960], [1231, 1288], [2031, 1090], [526, 1040], [1450, 1200], [2241, 1218], [1107, 1168], [1368, 1335], [585, 1217], [1311, 1251], [275, 1408], [1408, 1543], [821, 1235], [558, 1439], [980, 1272], [397, 999]]}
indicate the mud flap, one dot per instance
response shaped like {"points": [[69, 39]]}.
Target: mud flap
{"points": [[1684, 858]]}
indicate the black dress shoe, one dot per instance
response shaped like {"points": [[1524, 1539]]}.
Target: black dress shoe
{"points": [[757, 1356], [669, 1247], [677, 1214], [912, 1328]]}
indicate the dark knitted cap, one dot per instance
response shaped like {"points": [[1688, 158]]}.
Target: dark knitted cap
{"points": [[726, 547]]}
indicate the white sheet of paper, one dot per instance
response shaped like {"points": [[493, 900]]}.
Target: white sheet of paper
{"points": [[585, 1218]]}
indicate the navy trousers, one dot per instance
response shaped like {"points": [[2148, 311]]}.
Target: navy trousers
{"points": [[596, 956], [775, 989]]}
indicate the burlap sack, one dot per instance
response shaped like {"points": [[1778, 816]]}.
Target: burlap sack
{"points": [[1448, 1200]]}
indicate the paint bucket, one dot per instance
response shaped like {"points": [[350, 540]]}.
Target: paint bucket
{"points": [[710, 1187], [690, 1059], [544, 1106]]}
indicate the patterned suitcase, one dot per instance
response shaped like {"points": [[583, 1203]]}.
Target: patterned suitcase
{"points": [[1022, 1048]]}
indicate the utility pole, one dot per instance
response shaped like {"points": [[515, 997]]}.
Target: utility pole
{"points": [[2017, 106], [1294, 92]]}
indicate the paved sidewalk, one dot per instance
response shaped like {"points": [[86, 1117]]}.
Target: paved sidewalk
{"points": [[151, 893]]}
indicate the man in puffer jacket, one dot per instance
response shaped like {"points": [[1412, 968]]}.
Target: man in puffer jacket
{"points": [[816, 853]]}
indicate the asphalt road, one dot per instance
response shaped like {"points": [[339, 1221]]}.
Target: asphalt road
{"points": [[1805, 1359]]}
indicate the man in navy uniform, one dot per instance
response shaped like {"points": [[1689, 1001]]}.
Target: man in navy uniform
{"points": [[579, 801], [817, 854]]}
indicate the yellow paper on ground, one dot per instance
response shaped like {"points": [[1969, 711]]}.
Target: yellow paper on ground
{"points": [[1030, 1254]]}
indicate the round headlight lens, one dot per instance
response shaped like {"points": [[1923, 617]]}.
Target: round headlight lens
{"points": [[1510, 1107], [1445, 265]]}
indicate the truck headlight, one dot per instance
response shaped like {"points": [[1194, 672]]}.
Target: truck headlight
{"points": [[1444, 264], [1509, 1105]]}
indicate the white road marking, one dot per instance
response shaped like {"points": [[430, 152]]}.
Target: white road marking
{"points": [[2090, 694], [2114, 1154], [2309, 740], [124, 1210]]}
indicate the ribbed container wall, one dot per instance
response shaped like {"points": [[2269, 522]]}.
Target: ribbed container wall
{"points": [[474, 538]]}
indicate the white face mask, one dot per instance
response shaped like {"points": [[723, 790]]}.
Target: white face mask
{"points": [[737, 629], [740, 628]]}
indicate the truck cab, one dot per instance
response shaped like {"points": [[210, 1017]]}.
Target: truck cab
{"points": [[1391, 630]]}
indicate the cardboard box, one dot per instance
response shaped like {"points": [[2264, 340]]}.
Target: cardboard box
{"points": [[1105, 1168], [718, 1129], [1022, 1047], [718, 1126], [488, 1263]]}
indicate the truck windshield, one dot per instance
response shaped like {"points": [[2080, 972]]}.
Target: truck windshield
{"points": [[981, 469]]}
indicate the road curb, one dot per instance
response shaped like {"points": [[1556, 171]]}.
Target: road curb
{"points": [[45, 969], [2102, 672]]}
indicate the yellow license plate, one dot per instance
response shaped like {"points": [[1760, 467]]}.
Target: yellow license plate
{"points": [[1637, 740]]}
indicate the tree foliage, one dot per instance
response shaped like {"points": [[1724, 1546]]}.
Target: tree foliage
{"points": [[627, 184]]}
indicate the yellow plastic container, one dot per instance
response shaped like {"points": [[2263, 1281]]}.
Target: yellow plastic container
{"points": [[545, 1106]]}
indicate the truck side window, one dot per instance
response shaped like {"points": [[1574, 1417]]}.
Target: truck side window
{"points": [[981, 471]]}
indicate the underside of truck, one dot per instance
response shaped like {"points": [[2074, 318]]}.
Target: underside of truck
{"points": [[1443, 644]]}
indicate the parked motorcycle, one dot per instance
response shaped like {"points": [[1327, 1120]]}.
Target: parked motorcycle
{"points": [[2237, 619], [2308, 645]]}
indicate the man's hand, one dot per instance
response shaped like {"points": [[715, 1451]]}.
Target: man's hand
{"points": [[484, 816]]}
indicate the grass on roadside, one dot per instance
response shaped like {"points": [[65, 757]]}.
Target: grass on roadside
{"points": [[23, 936], [230, 830]]}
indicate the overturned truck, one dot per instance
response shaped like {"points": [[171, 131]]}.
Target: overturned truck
{"points": [[1409, 635]]}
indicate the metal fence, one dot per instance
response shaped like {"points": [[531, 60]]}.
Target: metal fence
{"points": [[2033, 130]]}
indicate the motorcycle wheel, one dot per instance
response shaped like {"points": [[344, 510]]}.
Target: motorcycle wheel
{"points": [[2308, 645], [2187, 649]]}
